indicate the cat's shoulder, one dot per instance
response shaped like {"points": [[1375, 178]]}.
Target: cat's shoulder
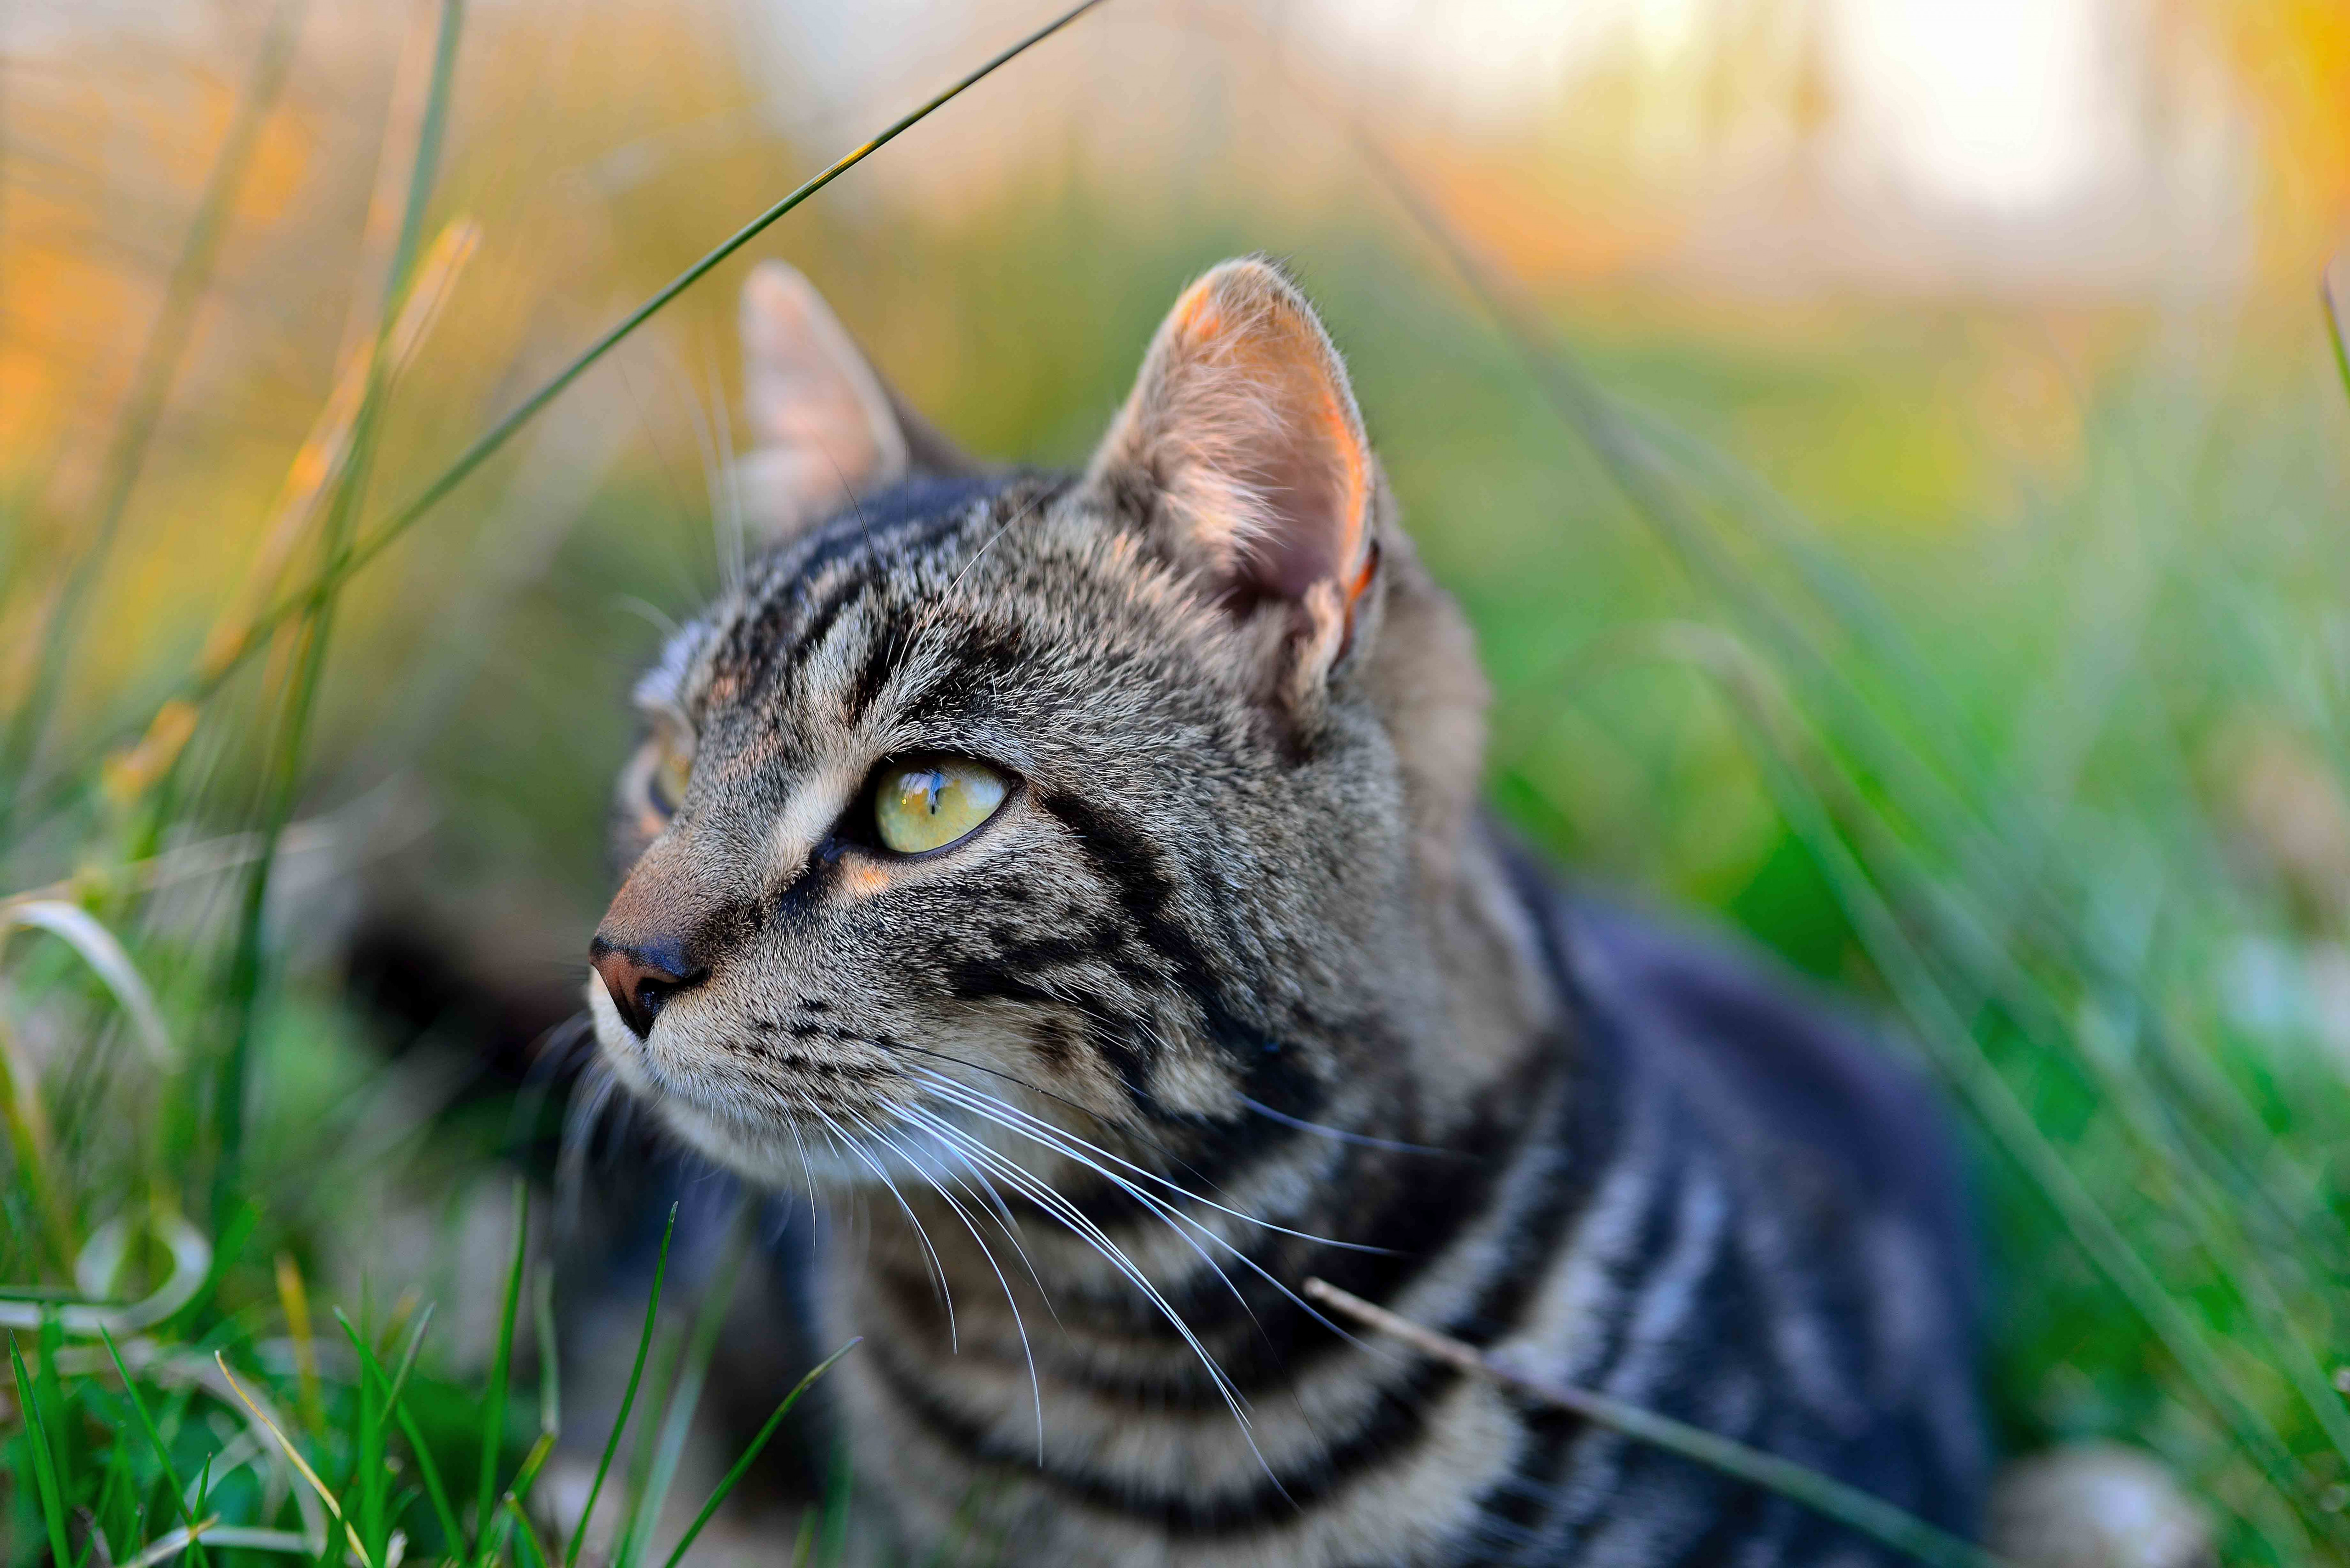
{"points": [[1752, 1039]]}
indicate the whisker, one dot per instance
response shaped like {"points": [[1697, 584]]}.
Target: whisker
{"points": [[1174, 1159], [938, 1269], [1341, 1135], [1176, 1219], [1035, 1388], [1042, 1193], [938, 1081], [598, 1086]]}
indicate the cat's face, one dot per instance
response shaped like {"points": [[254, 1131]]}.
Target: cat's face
{"points": [[1078, 794]]}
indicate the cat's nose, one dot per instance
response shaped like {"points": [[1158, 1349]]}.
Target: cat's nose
{"points": [[641, 977]]}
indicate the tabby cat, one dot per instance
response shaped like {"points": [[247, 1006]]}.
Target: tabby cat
{"points": [[1085, 874]]}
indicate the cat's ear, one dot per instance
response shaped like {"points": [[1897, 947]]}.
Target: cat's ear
{"points": [[825, 427], [1243, 438]]}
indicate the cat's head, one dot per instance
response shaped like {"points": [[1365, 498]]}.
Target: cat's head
{"points": [[1132, 799]]}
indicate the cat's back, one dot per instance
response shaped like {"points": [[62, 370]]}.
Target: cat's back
{"points": [[1779, 1252]]}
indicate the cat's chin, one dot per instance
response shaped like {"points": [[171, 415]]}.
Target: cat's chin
{"points": [[804, 1153]]}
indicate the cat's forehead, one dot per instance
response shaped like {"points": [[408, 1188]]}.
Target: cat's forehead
{"points": [[927, 594]]}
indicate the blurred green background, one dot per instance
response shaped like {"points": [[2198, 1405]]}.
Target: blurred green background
{"points": [[1893, 454]]}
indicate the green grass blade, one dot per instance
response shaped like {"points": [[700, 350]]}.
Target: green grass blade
{"points": [[1952, 1048], [1641, 473], [628, 1399], [348, 494], [44, 1458], [532, 1548], [491, 440], [370, 1472], [494, 1404], [407, 1358], [154, 1438], [685, 1390], [2336, 291], [199, 687], [425, 169], [750, 1454], [437, 1493]]}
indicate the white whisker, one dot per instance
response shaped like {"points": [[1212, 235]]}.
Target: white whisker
{"points": [[1049, 1136], [938, 1269], [938, 1081], [1043, 1194], [1035, 1388]]}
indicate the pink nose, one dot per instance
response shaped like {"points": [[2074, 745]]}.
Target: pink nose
{"points": [[640, 978]]}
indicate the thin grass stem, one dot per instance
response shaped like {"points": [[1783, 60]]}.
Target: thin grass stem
{"points": [[374, 542], [733, 1477], [1848, 1505], [627, 1397], [494, 1404], [44, 1458]]}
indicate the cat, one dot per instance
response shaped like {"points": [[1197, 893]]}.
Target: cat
{"points": [[1085, 876]]}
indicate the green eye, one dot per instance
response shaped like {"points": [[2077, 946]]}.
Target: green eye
{"points": [[673, 768], [929, 805]]}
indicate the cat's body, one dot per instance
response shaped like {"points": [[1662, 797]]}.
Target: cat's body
{"points": [[1228, 986]]}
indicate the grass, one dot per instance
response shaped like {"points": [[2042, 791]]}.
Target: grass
{"points": [[99, 1477], [2052, 771]]}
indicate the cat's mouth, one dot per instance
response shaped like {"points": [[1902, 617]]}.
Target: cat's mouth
{"points": [[795, 1120]]}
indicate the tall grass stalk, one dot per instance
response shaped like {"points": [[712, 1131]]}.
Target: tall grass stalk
{"points": [[312, 633], [152, 377], [2004, 896], [374, 542], [627, 1396]]}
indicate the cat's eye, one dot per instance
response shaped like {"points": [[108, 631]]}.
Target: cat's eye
{"points": [[930, 804], [668, 766], [671, 770]]}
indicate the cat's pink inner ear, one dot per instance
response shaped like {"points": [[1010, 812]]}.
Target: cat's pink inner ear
{"points": [[1244, 421], [823, 428]]}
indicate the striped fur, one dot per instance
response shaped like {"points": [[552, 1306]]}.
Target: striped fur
{"points": [[1238, 988]]}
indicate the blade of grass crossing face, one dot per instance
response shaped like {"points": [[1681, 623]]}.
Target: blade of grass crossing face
{"points": [[486, 446], [494, 1404], [735, 1476], [628, 1399], [44, 1459]]}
